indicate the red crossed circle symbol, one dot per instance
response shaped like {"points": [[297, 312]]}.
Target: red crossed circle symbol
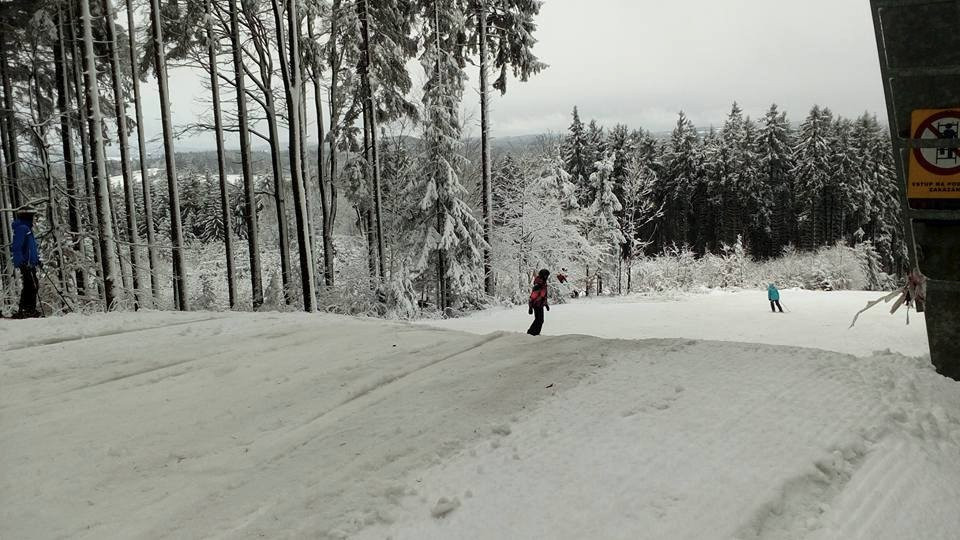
{"points": [[928, 125]]}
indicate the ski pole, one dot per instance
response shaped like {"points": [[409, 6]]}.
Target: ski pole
{"points": [[36, 284], [59, 293]]}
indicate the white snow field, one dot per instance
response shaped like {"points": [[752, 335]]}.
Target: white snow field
{"points": [[224, 425]]}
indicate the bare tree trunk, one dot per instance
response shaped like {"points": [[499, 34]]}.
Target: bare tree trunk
{"points": [[371, 111], [221, 160], [324, 202], [83, 111], [66, 137], [7, 277], [40, 128], [334, 104], [292, 84], [261, 43], [118, 231], [152, 252], [250, 197], [8, 130], [98, 159], [176, 228], [365, 206], [487, 192], [120, 107]]}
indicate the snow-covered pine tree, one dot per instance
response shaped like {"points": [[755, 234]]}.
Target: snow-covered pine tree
{"points": [[706, 196], [639, 210], [812, 171], [681, 166], [621, 146], [602, 227], [756, 196], [733, 158], [507, 184], [451, 238], [840, 204], [574, 150], [559, 180], [885, 224], [863, 195], [775, 154], [596, 147]]}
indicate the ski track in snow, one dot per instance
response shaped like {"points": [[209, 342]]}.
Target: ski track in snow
{"points": [[165, 425]]}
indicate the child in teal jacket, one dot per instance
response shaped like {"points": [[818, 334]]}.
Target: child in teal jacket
{"points": [[774, 296]]}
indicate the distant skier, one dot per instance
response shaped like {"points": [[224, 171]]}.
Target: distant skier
{"points": [[27, 260], [538, 301], [774, 296], [562, 276]]}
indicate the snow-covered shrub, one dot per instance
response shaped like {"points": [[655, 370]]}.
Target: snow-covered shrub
{"points": [[838, 267], [206, 297], [400, 294]]}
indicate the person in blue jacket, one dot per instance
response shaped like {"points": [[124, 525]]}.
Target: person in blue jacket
{"points": [[26, 258], [774, 296]]}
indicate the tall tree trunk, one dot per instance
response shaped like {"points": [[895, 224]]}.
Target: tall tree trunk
{"points": [[66, 137], [250, 196], [176, 228], [43, 153], [7, 277], [107, 267], [366, 207], [371, 111], [89, 197], [441, 263], [334, 134], [324, 200], [292, 84], [120, 108], [120, 239], [279, 192], [221, 159], [153, 254], [261, 43], [8, 132], [487, 192]]}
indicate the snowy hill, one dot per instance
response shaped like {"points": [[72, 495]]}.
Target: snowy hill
{"points": [[168, 425]]}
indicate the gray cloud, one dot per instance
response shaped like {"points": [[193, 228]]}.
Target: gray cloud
{"points": [[639, 62]]}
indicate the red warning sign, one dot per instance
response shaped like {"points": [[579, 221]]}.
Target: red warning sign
{"points": [[935, 172]]}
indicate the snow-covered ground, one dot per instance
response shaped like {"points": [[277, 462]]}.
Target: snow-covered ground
{"points": [[167, 425], [813, 319]]}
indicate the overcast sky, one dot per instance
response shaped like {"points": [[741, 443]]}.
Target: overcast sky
{"points": [[639, 62]]}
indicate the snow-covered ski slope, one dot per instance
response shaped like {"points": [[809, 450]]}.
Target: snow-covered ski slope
{"points": [[217, 425], [812, 319]]}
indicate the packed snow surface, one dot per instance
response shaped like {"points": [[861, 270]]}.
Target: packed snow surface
{"points": [[222, 425], [812, 319]]}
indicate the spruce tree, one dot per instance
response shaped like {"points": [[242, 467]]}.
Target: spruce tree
{"points": [[575, 155], [812, 170], [602, 225], [775, 154], [681, 168], [451, 237]]}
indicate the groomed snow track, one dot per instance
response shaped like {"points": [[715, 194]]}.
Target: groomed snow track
{"points": [[295, 426]]}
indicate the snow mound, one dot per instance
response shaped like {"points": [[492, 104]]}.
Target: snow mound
{"points": [[273, 425]]}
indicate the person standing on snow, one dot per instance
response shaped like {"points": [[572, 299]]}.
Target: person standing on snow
{"points": [[27, 260], [774, 296], [538, 301]]}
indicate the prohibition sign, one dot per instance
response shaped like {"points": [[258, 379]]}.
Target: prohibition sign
{"points": [[934, 173], [939, 161]]}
